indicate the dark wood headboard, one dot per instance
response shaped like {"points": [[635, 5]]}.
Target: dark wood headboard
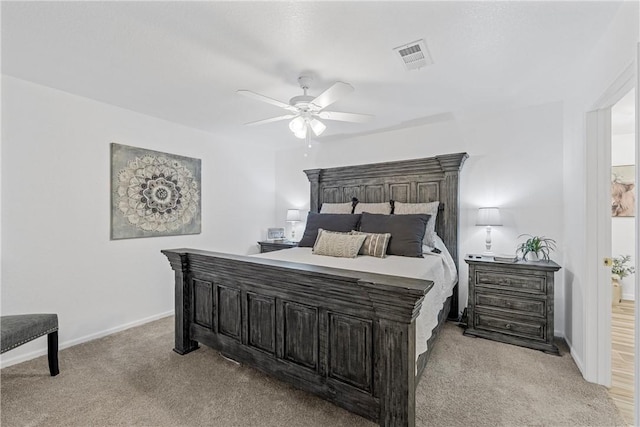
{"points": [[409, 181]]}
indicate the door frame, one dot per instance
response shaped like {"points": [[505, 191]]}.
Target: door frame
{"points": [[598, 244], [598, 218], [636, 388]]}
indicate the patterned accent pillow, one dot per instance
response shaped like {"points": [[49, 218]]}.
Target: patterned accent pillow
{"points": [[374, 208], [321, 231], [336, 208], [342, 245], [375, 244], [430, 208]]}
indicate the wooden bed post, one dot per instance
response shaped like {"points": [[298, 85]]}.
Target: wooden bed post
{"points": [[397, 373], [314, 179], [396, 358], [180, 264]]}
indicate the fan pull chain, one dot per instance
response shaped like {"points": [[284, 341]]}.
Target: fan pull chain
{"points": [[308, 140]]}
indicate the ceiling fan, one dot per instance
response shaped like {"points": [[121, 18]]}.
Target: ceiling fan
{"points": [[306, 110]]}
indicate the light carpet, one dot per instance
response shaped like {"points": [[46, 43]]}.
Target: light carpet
{"points": [[134, 378]]}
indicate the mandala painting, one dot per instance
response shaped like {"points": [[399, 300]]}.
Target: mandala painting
{"points": [[153, 193]]}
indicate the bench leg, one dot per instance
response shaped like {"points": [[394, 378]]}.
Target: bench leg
{"points": [[52, 341]]}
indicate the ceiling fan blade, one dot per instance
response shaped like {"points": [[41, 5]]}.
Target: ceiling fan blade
{"points": [[272, 119], [345, 117], [331, 95], [266, 99]]}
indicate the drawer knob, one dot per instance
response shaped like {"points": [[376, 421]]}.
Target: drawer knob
{"points": [[508, 326]]}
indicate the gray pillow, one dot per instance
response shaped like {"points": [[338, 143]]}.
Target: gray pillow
{"points": [[407, 231], [430, 208], [331, 222]]}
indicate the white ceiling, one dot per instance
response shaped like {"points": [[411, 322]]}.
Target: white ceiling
{"points": [[183, 61]]}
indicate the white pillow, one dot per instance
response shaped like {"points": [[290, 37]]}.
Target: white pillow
{"points": [[337, 208], [430, 208], [373, 208]]}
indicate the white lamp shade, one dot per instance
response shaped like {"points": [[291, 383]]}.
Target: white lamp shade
{"points": [[317, 126], [302, 134], [293, 215], [489, 216], [297, 125]]}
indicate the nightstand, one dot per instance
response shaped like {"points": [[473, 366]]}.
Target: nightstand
{"points": [[275, 245], [512, 302]]}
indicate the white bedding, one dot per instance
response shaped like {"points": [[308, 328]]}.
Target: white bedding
{"points": [[439, 268]]}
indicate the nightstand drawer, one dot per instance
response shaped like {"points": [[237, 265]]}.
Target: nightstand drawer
{"points": [[528, 306], [271, 246], [515, 282], [517, 327]]}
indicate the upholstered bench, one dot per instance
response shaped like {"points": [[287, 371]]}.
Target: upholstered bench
{"points": [[20, 329]]}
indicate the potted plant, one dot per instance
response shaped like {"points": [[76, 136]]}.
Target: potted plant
{"points": [[620, 270], [536, 248]]}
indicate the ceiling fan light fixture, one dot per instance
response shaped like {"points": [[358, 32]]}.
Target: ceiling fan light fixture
{"points": [[301, 134], [306, 109], [297, 125], [317, 126]]}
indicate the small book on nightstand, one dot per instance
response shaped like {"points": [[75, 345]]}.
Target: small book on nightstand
{"points": [[505, 258]]}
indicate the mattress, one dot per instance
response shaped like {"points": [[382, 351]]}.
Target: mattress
{"points": [[439, 268]]}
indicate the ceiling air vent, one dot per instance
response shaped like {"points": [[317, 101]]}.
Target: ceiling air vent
{"points": [[414, 55]]}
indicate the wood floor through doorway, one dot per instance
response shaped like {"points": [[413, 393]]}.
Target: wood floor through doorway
{"points": [[622, 355]]}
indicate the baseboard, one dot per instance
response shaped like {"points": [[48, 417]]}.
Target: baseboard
{"points": [[575, 357], [573, 354], [8, 361]]}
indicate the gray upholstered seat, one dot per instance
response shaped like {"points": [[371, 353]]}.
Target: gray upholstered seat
{"points": [[20, 329]]}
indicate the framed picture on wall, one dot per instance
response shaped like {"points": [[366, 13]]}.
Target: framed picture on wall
{"points": [[275, 233], [153, 193], [623, 191]]}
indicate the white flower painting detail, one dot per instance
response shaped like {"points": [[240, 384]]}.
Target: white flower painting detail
{"points": [[155, 193]]}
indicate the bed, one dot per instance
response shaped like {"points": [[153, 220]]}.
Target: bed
{"points": [[346, 335]]}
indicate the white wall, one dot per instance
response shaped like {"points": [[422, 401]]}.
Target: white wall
{"points": [[57, 255], [623, 229], [515, 162], [615, 51]]}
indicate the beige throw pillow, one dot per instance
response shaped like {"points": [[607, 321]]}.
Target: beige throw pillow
{"points": [[375, 244], [374, 208], [336, 208], [342, 245]]}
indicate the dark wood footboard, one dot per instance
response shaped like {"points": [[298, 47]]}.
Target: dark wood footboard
{"points": [[346, 336]]}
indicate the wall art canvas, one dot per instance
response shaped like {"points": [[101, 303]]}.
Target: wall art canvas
{"points": [[623, 191], [275, 233], [153, 193]]}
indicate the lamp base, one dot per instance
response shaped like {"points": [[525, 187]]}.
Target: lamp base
{"points": [[487, 246]]}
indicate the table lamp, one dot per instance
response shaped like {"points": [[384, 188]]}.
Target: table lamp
{"points": [[488, 217], [293, 216]]}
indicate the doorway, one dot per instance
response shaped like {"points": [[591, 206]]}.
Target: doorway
{"points": [[623, 251]]}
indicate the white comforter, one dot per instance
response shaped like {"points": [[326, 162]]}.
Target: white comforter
{"points": [[439, 268]]}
